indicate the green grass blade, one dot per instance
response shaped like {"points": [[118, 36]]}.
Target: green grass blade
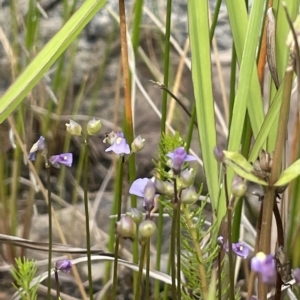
{"points": [[267, 125], [201, 74], [47, 56], [246, 38]]}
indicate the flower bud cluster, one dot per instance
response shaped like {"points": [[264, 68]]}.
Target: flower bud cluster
{"points": [[93, 127], [263, 165], [133, 223]]}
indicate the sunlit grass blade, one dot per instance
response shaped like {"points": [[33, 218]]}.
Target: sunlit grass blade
{"points": [[201, 74], [47, 56], [246, 38], [267, 125]]}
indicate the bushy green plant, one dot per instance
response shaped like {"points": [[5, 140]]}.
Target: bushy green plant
{"points": [[23, 273]]}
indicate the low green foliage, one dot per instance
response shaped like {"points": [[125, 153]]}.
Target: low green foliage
{"points": [[23, 273]]}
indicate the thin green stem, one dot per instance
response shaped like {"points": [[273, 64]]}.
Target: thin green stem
{"points": [[49, 231], [178, 239], [147, 291], [57, 284], [172, 249], [117, 241], [214, 20], [160, 223], [219, 276], [138, 12], [87, 219], [230, 252], [191, 128], [194, 237], [166, 66], [140, 275], [232, 83]]}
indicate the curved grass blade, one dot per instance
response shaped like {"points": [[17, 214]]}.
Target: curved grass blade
{"points": [[47, 56], [241, 166]]}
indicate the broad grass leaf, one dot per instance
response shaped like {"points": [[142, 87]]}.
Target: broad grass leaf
{"points": [[289, 174]]}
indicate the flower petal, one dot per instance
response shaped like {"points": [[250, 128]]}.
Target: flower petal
{"points": [[138, 186]]}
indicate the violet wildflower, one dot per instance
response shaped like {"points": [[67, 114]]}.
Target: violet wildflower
{"points": [[61, 159], [149, 195], [119, 146], [265, 265], [179, 157], [144, 188], [296, 275], [240, 249], [40, 145], [73, 128], [63, 265], [112, 136], [138, 186]]}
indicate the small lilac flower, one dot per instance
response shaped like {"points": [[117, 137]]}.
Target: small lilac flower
{"points": [[119, 146], [40, 145], [138, 186], [240, 249], [296, 275], [179, 157], [111, 137], [63, 265], [265, 265], [149, 195], [144, 188], [61, 159]]}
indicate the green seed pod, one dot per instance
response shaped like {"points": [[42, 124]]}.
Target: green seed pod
{"points": [[93, 126], [126, 227], [146, 229], [73, 128], [136, 215], [238, 187], [189, 196]]}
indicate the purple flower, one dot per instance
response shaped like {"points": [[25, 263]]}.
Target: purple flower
{"points": [[240, 249], [119, 146], [144, 188], [265, 265], [138, 186], [40, 145], [63, 265], [112, 136], [179, 157], [296, 275], [61, 159]]}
